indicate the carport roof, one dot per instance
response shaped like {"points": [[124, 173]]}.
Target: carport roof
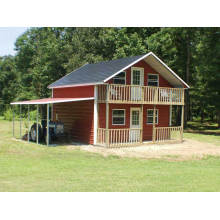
{"points": [[50, 101]]}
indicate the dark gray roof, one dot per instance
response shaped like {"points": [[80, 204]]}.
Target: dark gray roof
{"points": [[94, 73]]}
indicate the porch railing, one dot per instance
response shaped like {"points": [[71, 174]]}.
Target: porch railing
{"points": [[119, 137], [163, 134], [133, 136], [114, 93]]}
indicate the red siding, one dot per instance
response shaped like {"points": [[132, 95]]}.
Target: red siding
{"points": [[163, 120], [147, 69], [77, 118], [74, 92]]}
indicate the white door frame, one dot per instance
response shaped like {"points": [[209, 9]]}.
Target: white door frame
{"points": [[135, 135], [141, 75], [136, 90], [140, 117]]}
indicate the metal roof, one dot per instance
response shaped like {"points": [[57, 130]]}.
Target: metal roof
{"points": [[50, 100], [94, 73], [103, 71]]}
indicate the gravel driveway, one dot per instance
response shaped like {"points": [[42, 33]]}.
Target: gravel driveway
{"points": [[188, 149]]}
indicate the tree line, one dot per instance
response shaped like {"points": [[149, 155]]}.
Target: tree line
{"points": [[46, 54]]}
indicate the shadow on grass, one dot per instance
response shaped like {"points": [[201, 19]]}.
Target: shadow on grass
{"points": [[206, 128]]}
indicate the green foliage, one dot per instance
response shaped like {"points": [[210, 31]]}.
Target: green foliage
{"points": [[33, 115], [8, 115]]}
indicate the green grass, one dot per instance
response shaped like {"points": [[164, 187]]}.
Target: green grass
{"points": [[29, 167], [213, 139]]}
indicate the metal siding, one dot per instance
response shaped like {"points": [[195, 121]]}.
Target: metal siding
{"points": [[147, 69], [77, 118], [74, 92]]}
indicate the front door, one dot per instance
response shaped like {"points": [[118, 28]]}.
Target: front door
{"points": [[137, 79], [135, 124]]}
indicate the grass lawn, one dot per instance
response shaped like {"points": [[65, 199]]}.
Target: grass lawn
{"points": [[29, 167]]}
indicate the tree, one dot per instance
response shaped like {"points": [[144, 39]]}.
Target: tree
{"points": [[8, 80], [208, 50]]}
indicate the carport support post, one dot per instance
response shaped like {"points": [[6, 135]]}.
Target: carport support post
{"points": [[13, 123], [37, 123], [20, 120], [28, 122], [48, 124]]}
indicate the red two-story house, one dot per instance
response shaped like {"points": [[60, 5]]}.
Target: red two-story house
{"points": [[120, 102], [124, 101]]}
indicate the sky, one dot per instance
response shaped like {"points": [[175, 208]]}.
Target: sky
{"points": [[8, 36]]}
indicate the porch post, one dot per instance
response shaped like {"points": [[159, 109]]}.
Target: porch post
{"points": [[170, 123], [28, 122], [182, 120], [48, 124], [37, 123], [13, 123], [154, 131], [20, 121], [107, 118], [95, 123], [142, 118]]}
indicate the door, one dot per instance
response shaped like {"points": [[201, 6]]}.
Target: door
{"points": [[137, 79], [135, 124]]}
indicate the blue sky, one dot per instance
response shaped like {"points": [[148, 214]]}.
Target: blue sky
{"points": [[8, 36]]}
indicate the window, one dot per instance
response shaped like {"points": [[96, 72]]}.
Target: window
{"points": [[120, 78], [118, 117], [150, 115], [153, 80]]}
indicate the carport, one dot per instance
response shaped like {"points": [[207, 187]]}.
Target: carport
{"points": [[37, 102]]}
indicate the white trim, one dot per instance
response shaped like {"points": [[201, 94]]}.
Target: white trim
{"points": [[49, 102], [157, 114], [125, 78], [141, 76], [124, 116], [76, 85], [143, 57], [131, 64], [158, 78], [95, 115], [140, 118]]}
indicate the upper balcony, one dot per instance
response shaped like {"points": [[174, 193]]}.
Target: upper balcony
{"points": [[132, 94]]}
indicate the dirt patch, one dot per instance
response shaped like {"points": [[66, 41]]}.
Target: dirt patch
{"points": [[187, 150]]}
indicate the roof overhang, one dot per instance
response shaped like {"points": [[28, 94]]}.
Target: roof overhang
{"points": [[75, 85], [157, 64], [50, 101]]}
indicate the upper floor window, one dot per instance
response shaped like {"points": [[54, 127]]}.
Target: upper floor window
{"points": [[118, 116], [153, 80], [120, 78]]}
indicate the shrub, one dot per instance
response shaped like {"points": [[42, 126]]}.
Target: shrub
{"points": [[33, 115], [8, 114]]}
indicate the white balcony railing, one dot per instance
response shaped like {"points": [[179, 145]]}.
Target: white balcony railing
{"points": [[114, 93]]}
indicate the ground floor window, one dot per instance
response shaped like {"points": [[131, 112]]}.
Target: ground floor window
{"points": [[118, 117], [150, 115]]}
